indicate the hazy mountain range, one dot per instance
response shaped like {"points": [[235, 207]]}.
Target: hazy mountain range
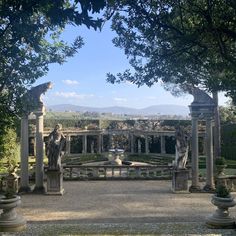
{"points": [[151, 110]]}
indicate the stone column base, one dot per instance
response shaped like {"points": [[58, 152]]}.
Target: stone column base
{"points": [[39, 190], [54, 182], [209, 189], [24, 189], [195, 189], [180, 181]]}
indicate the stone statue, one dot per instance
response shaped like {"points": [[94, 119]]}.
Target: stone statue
{"points": [[181, 148], [56, 143], [32, 99], [200, 96]]}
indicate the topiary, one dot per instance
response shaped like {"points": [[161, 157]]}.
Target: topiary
{"points": [[222, 191]]}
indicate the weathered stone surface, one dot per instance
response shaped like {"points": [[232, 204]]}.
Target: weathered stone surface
{"points": [[54, 182], [10, 221], [180, 181], [221, 218]]}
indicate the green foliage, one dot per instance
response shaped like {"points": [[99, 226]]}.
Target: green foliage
{"points": [[9, 150], [220, 161], [161, 160], [222, 191], [84, 158], [175, 123], [228, 142], [177, 42], [228, 114], [30, 40]]}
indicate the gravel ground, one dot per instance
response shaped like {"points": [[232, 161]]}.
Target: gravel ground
{"points": [[118, 208]]}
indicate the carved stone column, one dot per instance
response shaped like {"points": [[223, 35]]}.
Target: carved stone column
{"points": [[85, 144], [146, 144], [68, 138], [39, 187], [210, 186], [163, 144], [139, 146], [99, 143], [24, 142], [195, 170], [132, 143]]}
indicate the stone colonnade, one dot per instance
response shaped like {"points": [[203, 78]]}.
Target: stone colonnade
{"points": [[131, 136], [134, 139]]}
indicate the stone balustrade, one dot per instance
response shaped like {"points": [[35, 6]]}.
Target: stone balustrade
{"points": [[83, 172], [227, 180]]}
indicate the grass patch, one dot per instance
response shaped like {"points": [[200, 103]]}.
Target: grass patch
{"points": [[231, 164], [83, 158], [151, 159]]}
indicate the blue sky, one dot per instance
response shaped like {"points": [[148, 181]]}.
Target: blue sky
{"points": [[82, 79]]}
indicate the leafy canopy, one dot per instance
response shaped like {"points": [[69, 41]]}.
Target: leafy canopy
{"points": [[30, 40], [187, 41]]}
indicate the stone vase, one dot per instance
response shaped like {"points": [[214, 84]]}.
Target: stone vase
{"points": [[221, 217], [220, 170], [10, 221]]}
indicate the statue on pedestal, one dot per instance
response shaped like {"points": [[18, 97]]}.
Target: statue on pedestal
{"points": [[180, 173], [181, 148], [56, 143]]}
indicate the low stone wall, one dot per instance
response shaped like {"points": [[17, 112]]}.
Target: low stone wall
{"points": [[229, 181], [109, 172]]}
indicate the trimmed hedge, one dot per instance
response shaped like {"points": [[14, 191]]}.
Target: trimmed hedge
{"points": [[228, 141]]}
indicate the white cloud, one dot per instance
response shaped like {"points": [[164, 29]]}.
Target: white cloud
{"points": [[70, 82], [120, 99], [73, 95]]}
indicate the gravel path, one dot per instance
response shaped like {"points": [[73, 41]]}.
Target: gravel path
{"points": [[118, 208]]}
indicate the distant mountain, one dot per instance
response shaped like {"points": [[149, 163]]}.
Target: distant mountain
{"points": [[151, 110]]}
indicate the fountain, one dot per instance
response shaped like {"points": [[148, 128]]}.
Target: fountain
{"points": [[116, 153]]}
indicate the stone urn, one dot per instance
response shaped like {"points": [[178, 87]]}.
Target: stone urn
{"points": [[220, 170], [221, 218], [220, 164], [10, 221]]}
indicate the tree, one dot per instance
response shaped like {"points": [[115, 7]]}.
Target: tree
{"points": [[228, 114], [188, 41], [30, 40], [178, 43], [9, 150]]}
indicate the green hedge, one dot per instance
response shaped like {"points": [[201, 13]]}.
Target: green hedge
{"points": [[228, 141]]}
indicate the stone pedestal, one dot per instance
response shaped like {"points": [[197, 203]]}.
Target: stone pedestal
{"points": [[180, 181], [54, 182], [10, 221]]}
